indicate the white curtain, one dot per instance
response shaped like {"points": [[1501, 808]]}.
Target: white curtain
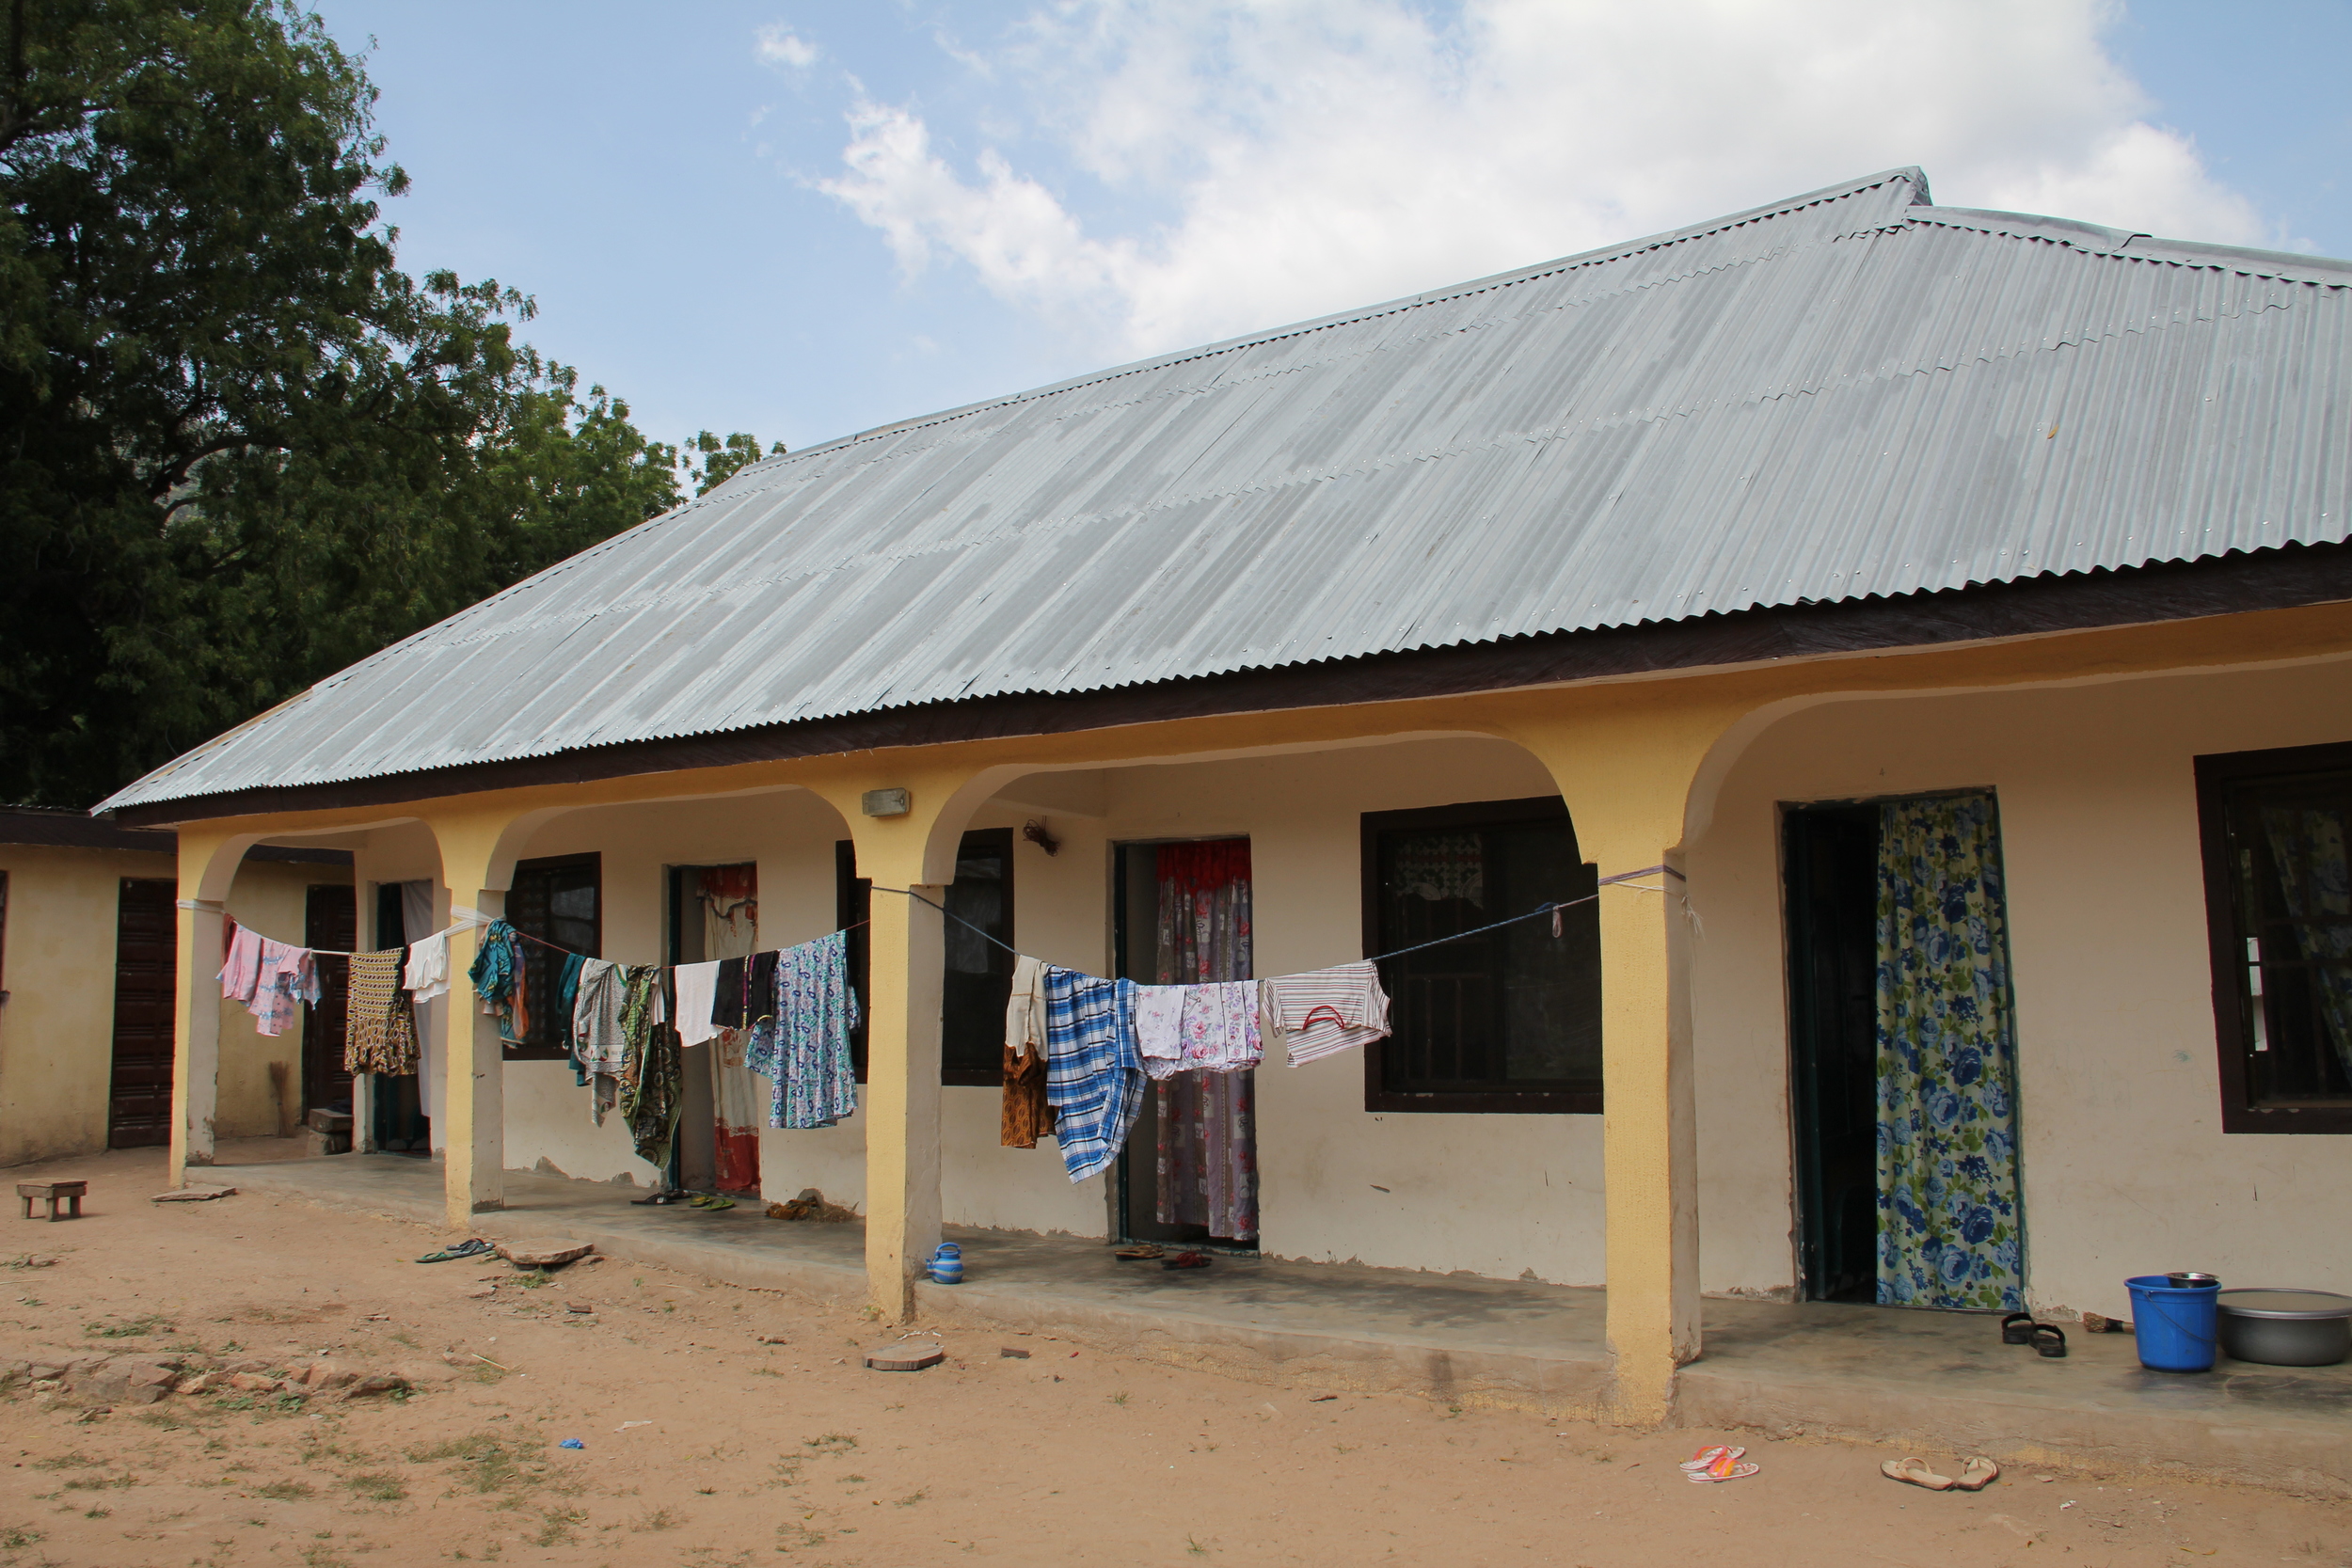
{"points": [[416, 921]]}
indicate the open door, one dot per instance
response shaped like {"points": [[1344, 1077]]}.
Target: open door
{"points": [[1189, 1171], [1903, 1055], [331, 920]]}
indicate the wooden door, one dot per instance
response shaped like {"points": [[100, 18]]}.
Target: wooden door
{"points": [[331, 920], [138, 1105]]}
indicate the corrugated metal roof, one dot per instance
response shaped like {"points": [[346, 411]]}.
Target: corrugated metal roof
{"points": [[1848, 394]]}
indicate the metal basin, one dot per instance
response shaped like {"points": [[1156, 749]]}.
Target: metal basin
{"points": [[2285, 1329]]}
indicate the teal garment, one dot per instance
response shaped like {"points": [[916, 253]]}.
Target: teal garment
{"points": [[567, 999], [1951, 1232], [497, 970]]}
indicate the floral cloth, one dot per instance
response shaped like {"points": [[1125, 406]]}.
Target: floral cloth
{"points": [[379, 1030], [806, 1054], [1205, 1103], [651, 1078], [1950, 1228]]}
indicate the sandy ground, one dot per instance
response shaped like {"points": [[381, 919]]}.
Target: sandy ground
{"points": [[706, 1445]]}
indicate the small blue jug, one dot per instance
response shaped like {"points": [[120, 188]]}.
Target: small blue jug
{"points": [[948, 1264]]}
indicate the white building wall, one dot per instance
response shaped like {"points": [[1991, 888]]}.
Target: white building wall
{"points": [[2126, 1169]]}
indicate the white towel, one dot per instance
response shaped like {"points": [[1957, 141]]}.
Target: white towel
{"points": [[1159, 1031], [697, 988], [426, 976]]}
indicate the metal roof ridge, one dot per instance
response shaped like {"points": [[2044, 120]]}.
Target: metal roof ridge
{"points": [[2140, 245], [1909, 174]]}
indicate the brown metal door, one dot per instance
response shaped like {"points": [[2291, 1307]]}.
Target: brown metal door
{"points": [[330, 919], [138, 1108]]}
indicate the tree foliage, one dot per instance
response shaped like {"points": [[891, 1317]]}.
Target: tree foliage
{"points": [[239, 447]]}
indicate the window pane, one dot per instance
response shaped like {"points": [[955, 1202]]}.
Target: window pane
{"points": [[978, 980], [557, 904], [1517, 1009], [2289, 838]]}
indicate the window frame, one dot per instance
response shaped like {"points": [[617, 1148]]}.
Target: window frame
{"points": [[992, 1075], [537, 1050], [2226, 938], [1499, 1101]]}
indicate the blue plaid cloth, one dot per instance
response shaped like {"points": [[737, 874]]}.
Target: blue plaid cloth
{"points": [[1093, 1069]]}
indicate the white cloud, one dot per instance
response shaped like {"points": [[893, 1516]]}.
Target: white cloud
{"points": [[1316, 154], [779, 45]]}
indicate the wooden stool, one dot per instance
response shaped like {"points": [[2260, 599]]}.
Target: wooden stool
{"points": [[53, 1191]]}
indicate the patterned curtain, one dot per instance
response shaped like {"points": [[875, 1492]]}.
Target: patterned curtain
{"points": [[1950, 1230], [1208, 1137], [730, 905], [2316, 881]]}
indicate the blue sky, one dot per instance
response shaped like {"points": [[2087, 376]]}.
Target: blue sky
{"points": [[806, 219]]}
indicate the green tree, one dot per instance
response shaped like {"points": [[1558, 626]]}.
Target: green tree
{"points": [[239, 447], [720, 459]]}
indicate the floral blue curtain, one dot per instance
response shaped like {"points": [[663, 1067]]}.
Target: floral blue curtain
{"points": [[1950, 1228]]}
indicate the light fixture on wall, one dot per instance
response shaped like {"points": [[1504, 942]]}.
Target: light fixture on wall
{"points": [[1034, 830]]}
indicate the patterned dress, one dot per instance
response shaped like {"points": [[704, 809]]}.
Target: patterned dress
{"points": [[807, 1055], [379, 1030]]}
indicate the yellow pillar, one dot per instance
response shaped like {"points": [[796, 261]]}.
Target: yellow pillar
{"points": [[208, 864], [473, 1101], [1625, 765], [910, 850]]}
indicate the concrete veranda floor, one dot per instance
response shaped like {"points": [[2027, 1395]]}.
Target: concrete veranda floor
{"points": [[1939, 1382]]}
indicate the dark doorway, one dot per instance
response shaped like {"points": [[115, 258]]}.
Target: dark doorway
{"points": [[401, 1127], [1831, 880], [331, 920], [147, 954]]}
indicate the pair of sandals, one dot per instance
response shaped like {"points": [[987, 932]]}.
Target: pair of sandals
{"points": [[2048, 1339], [472, 1247], [1145, 1252], [1975, 1475]]}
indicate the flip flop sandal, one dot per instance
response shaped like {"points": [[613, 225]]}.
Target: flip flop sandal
{"points": [[2017, 1329], [1705, 1457], [1187, 1261], [1724, 1466], [713, 1205], [1977, 1474], [659, 1200], [1916, 1473], [700, 1200], [1140, 1253], [2050, 1341], [471, 1247]]}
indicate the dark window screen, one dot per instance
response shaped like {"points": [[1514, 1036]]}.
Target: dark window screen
{"points": [[560, 902], [2283, 967], [1506, 1021], [978, 980]]}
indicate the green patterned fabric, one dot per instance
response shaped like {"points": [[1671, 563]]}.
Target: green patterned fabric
{"points": [[1950, 1230]]}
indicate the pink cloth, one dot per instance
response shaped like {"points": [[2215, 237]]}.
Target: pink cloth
{"points": [[269, 977]]}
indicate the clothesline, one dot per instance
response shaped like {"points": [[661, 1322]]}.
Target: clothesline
{"points": [[1622, 876]]}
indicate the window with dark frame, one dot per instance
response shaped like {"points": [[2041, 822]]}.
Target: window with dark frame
{"points": [[1505, 1021], [558, 899], [978, 979], [2277, 827], [852, 907]]}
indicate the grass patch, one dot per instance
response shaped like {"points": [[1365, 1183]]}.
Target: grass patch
{"points": [[76, 1460], [14, 1536], [910, 1499], [792, 1538], [101, 1484], [287, 1491], [376, 1486], [832, 1442], [129, 1329], [660, 1519], [559, 1527], [1120, 1398]]}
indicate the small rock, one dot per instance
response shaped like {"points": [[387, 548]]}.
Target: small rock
{"points": [[770, 1340], [375, 1383], [250, 1364], [580, 1306], [905, 1358], [483, 1292], [254, 1383], [326, 1374], [203, 1382], [1013, 1352], [544, 1252], [44, 1372]]}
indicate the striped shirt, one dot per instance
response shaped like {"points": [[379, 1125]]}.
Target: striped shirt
{"points": [[1325, 1011]]}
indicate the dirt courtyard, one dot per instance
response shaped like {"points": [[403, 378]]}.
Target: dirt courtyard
{"points": [[726, 1425]]}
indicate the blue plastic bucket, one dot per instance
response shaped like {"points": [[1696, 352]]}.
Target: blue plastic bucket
{"points": [[2177, 1328]]}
